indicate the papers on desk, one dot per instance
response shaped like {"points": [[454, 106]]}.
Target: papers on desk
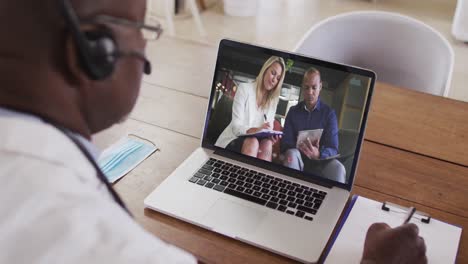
{"points": [[441, 239], [308, 135], [264, 133]]}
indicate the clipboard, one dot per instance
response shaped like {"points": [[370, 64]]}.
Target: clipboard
{"points": [[347, 244], [390, 207]]}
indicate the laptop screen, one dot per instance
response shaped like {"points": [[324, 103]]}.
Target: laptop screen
{"points": [[282, 111]]}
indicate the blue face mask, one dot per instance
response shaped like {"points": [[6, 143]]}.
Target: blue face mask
{"points": [[123, 156]]}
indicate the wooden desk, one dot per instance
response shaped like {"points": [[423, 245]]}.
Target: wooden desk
{"points": [[422, 123], [415, 153]]}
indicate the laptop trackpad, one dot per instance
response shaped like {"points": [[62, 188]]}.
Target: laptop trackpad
{"points": [[233, 219]]}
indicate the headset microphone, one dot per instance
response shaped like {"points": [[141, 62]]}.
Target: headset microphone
{"points": [[146, 66]]}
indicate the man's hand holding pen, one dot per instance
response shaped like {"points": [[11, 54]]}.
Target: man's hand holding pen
{"points": [[394, 245]]}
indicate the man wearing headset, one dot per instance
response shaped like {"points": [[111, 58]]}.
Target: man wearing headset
{"points": [[69, 69]]}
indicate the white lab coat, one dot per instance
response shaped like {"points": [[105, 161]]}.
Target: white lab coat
{"points": [[53, 208], [246, 114]]}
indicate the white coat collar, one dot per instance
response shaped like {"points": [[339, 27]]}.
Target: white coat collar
{"points": [[90, 147], [42, 141]]}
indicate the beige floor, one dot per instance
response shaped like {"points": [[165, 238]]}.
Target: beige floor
{"points": [[280, 24]]}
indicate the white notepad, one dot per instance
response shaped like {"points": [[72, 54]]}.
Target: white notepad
{"points": [[441, 239]]}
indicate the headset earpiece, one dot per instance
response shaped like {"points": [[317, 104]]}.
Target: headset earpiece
{"points": [[101, 50], [95, 49]]}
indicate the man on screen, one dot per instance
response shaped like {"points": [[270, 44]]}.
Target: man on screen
{"points": [[312, 155]]}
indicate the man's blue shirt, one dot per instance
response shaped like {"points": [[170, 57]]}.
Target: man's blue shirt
{"points": [[322, 117]]}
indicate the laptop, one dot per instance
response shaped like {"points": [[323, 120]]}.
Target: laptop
{"points": [[288, 210]]}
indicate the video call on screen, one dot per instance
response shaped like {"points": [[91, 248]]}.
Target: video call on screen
{"points": [[319, 110]]}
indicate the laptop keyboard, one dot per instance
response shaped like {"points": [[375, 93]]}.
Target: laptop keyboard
{"points": [[272, 192]]}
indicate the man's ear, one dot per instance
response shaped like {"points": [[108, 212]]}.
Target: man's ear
{"points": [[76, 72]]}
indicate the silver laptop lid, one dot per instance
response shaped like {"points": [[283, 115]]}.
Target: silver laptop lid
{"points": [[313, 113]]}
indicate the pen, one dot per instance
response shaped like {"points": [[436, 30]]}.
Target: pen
{"points": [[264, 116], [409, 215]]}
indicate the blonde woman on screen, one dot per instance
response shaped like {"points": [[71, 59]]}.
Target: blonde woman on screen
{"points": [[254, 109]]}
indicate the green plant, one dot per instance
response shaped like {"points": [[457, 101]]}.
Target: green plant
{"points": [[289, 64]]}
